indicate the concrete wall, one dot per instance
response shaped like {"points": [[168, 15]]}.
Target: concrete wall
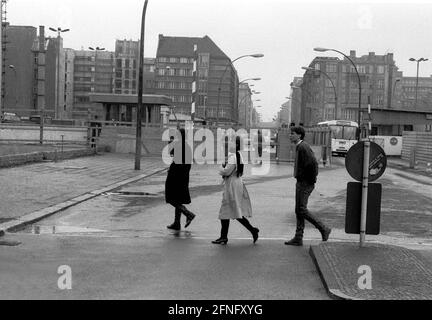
{"points": [[418, 142], [31, 133]]}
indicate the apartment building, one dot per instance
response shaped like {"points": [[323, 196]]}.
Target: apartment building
{"points": [[217, 80]]}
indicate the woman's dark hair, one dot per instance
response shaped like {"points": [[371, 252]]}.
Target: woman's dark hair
{"points": [[240, 166]]}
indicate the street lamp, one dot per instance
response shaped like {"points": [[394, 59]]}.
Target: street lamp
{"points": [[417, 79], [332, 83], [257, 55], [240, 102], [59, 32], [359, 83], [138, 145]]}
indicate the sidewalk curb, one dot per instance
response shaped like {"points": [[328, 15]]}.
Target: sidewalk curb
{"points": [[329, 282], [33, 217], [15, 160]]}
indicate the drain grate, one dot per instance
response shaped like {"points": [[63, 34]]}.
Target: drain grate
{"points": [[133, 194]]}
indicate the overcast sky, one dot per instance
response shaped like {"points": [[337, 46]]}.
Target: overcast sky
{"points": [[284, 31]]}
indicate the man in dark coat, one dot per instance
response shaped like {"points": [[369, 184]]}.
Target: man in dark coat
{"points": [[306, 172], [177, 182]]}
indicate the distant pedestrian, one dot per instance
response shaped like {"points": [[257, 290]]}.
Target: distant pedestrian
{"points": [[177, 183], [236, 202], [306, 172]]}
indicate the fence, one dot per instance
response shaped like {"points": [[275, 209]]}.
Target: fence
{"points": [[417, 147], [318, 138]]}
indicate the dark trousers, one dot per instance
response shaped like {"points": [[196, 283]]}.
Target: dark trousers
{"points": [[303, 191], [226, 223], [179, 210]]}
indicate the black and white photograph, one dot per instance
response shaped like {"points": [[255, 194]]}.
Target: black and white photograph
{"points": [[219, 158]]}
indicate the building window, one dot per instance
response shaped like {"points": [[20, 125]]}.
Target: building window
{"points": [[317, 66], [204, 60], [173, 60], [331, 67], [380, 100], [203, 73], [119, 63], [361, 69], [184, 60], [380, 69], [380, 84]]}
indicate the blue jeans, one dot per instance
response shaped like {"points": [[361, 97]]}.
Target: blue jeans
{"points": [[303, 191]]}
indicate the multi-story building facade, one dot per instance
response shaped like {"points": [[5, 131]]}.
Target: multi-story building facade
{"points": [[92, 72], [217, 79], [323, 99], [127, 69], [18, 69], [295, 101]]}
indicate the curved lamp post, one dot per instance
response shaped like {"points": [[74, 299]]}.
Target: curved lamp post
{"points": [[140, 91], [332, 83], [231, 64], [240, 102], [59, 32], [417, 79], [359, 83]]}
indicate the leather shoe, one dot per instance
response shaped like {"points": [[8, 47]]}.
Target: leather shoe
{"points": [[189, 220], [220, 241], [294, 242], [175, 227], [255, 235], [325, 234]]}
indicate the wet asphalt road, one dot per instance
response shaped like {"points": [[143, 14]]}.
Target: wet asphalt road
{"points": [[118, 247]]}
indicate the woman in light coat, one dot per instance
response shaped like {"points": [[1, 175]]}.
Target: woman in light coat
{"points": [[236, 203]]}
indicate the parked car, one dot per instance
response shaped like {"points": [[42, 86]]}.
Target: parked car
{"points": [[10, 117]]}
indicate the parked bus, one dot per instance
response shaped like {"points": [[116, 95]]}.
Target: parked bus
{"points": [[343, 134]]}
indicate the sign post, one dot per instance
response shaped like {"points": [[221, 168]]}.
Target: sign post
{"points": [[365, 162], [365, 181]]}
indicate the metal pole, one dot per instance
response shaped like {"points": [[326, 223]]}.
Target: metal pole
{"points": [[365, 189], [417, 82], [140, 92], [58, 78]]}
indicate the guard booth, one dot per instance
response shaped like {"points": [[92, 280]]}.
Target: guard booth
{"points": [[115, 125]]}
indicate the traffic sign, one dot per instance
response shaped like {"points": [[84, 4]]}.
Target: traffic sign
{"points": [[353, 208], [377, 162]]}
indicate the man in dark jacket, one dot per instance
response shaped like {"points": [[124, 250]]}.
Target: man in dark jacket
{"points": [[306, 172]]}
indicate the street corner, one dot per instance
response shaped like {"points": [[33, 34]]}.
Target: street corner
{"points": [[372, 272]]}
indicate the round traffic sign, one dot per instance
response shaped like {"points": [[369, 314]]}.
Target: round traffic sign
{"points": [[377, 161], [393, 141]]}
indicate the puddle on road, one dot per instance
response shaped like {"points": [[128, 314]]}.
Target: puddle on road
{"points": [[41, 230]]}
